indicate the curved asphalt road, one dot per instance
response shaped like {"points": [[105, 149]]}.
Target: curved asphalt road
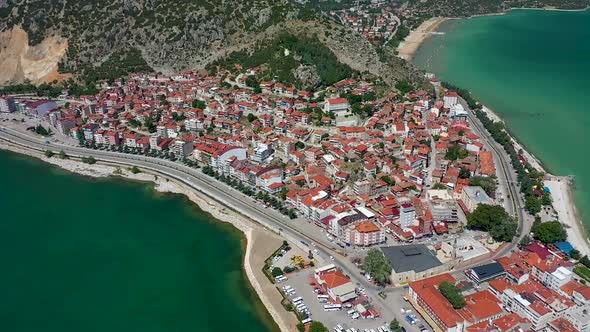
{"points": [[195, 179]]}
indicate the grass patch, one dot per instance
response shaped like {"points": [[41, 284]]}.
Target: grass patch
{"points": [[583, 272]]}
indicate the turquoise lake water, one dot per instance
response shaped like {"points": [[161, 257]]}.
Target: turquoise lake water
{"points": [[532, 68], [80, 254]]}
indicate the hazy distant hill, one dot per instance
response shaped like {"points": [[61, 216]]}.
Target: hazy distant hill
{"points": [[464, 8]]}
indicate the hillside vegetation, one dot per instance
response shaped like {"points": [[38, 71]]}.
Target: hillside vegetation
{"points": [[107, 38], [286, 54]]}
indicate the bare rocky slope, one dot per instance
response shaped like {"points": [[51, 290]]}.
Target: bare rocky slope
{"points": [[37, 64], [177, 35]]}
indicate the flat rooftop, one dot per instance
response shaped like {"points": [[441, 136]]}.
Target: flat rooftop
{"points": [[412, 257]]}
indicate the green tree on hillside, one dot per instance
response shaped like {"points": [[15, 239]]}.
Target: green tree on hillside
{"points": [[404, 87]]}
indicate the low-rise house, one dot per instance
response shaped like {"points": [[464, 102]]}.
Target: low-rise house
{"points": [[338, 286]]}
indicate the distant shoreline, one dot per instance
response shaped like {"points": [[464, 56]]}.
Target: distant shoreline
{"points": [[410, 45]]}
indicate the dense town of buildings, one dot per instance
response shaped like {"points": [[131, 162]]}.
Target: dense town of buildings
{"points": [[533, 289], [401, 171], [358, 178]]}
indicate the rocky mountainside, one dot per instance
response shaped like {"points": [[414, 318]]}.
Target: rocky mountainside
{"points": [[175, 35], [170, 34]]}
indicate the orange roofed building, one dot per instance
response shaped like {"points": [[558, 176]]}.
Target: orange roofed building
{"points": [[336, 284], [479, 307], [364, 233], [425, 294]]}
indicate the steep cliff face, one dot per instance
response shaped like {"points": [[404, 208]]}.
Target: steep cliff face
{"points": [[37, 64]]}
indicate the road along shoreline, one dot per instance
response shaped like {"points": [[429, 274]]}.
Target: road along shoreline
{"points": [[260, 241], [561, 191]]}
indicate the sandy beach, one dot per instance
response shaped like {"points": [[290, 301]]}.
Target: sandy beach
{"points": [[261, 242], [561, 192], [563, 203], [410, 45]]}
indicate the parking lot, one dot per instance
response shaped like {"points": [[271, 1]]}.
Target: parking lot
{"points": [[301, 281]]}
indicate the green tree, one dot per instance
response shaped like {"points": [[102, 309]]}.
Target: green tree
{"points": [[49, 153], [89, 160], [276, 271], [135, 170], [404, 87], [150, 125], [452, 294], [300, 327], [251, 117], [493, 219], [549, 232], [252, 82], [546, 199], [299, 145], [394, 325], [575, 254], [377, 265], [504, 231], [532, 204], [439, 185], [455, 152], [40, 130], [464, 173], [199, 104], [63, 155], [316, 326], [283, 193], [387, 179], [488, 184], [526, 240], [134, 123]]}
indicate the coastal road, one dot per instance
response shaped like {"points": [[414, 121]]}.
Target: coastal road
{"points": [[195, 179], [506, 175], [226, 195]]}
